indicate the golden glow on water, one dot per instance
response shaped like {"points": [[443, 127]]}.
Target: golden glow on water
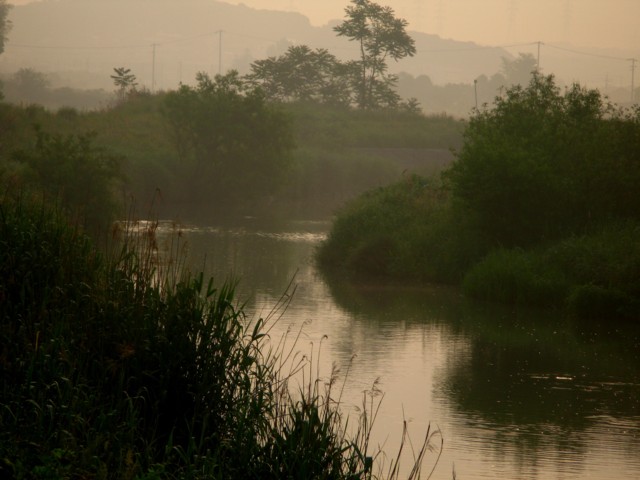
{"points": [[515, 395]]}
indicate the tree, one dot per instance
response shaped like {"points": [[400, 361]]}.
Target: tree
{"points": [[380, 35], [125, 81], [542, 164], [238, 143], [302, 74], [5, 23], [27, 86], [76, 173], [519, 70]]}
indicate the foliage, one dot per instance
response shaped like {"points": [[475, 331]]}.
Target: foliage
{"points": [[342, 152], [604, 268], [28, 86], [380, 36], [403, 230], [539, 208], [302, 74], [123, 366], [519, 70], [592, 275], [516, 277], [235, 139], [73, 172], [541, 164], [125, 82]]}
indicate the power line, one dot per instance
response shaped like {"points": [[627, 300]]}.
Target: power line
{"points": [[68, 47], [479, 47], [107, 47], [577, 52]]}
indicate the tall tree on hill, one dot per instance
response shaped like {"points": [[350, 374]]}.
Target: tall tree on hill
{"points": [[381, 35]]}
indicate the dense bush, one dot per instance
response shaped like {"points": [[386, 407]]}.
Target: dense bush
{"points": [[236, 142], [404, 230], [73, 172], [542, 164], [516, 277], [539, 208], [593, 275]]}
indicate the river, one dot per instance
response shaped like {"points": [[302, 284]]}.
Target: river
{"points": [[515, 394]]}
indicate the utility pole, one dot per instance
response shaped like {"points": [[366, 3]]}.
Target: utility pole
{"points": [[633, 77], [475, 89], [538, 60], [153, 69], [220, 52]]}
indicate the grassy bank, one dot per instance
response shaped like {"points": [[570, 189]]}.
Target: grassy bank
{"points": [[120, 365]]}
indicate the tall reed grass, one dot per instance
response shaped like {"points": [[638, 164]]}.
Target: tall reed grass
{"points": [[123, 365]]}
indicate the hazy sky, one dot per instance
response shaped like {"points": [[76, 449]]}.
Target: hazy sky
{"points": [[588, 23], [594, 23]]}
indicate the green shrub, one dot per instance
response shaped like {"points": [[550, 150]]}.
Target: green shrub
{"points": [[516, 277], [594, 275], [69, 114], [406, 230], [609, 256], [72, 171], [543, 164], [596, 302]]}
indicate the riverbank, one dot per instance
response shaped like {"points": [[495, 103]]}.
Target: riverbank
{"points": [[539, 208], [408, 232]]}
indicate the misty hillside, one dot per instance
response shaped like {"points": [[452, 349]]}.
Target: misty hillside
{"points": [[83, 40]]}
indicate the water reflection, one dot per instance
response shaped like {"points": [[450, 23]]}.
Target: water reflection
{"points": [[517, 394], [526, 384]]}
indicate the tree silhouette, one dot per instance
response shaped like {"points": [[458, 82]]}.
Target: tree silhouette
{"points": [[381, 35], [125, 81]]}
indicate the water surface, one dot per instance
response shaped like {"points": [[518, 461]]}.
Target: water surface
{"points": [[516, 394]]}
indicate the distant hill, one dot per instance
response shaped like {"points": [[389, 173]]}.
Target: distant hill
{"points": [[83, 40]]}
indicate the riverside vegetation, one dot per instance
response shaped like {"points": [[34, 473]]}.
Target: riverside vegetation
{"points": [[118, 365], [314, 162], [539, 208]]}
